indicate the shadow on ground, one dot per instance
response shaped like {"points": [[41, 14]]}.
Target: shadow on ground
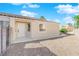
{"points": [[17, 51]]}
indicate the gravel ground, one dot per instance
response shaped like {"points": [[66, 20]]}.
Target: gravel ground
{"points": [[65, 46], [23, 49]]}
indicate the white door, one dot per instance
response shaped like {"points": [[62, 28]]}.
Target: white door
{"points": [[21, 30]]}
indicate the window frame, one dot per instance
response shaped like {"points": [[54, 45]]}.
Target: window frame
{"points": [[42, 27]]}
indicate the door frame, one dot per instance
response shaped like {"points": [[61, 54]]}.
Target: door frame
{"points": [[16, 24]]}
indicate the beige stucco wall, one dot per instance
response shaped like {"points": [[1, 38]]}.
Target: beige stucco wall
{"points": [[51, 30], [12, 30], [4, 18], [13, 25], [3, 38]]}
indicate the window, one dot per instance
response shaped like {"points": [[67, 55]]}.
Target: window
{"points": [[41, 27]]}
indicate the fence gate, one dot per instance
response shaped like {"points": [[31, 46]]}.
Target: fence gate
{"points": [[4, 36]]}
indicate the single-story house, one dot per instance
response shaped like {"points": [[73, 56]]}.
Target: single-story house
{"points": [[69, 27], [24, 28]]}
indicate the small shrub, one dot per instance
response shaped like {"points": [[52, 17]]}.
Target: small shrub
{"points": [[63, 30]]}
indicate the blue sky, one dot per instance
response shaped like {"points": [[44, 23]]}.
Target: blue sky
{"points": [[59, 12]]}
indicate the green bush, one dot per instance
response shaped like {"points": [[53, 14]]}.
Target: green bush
{"points": [[63, 30]]}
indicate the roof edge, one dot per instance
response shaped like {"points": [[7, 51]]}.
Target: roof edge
{"points": [[17, 16], [20, 16]]}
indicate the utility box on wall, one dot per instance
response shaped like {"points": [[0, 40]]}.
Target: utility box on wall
{"points": [[4, 36]]}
